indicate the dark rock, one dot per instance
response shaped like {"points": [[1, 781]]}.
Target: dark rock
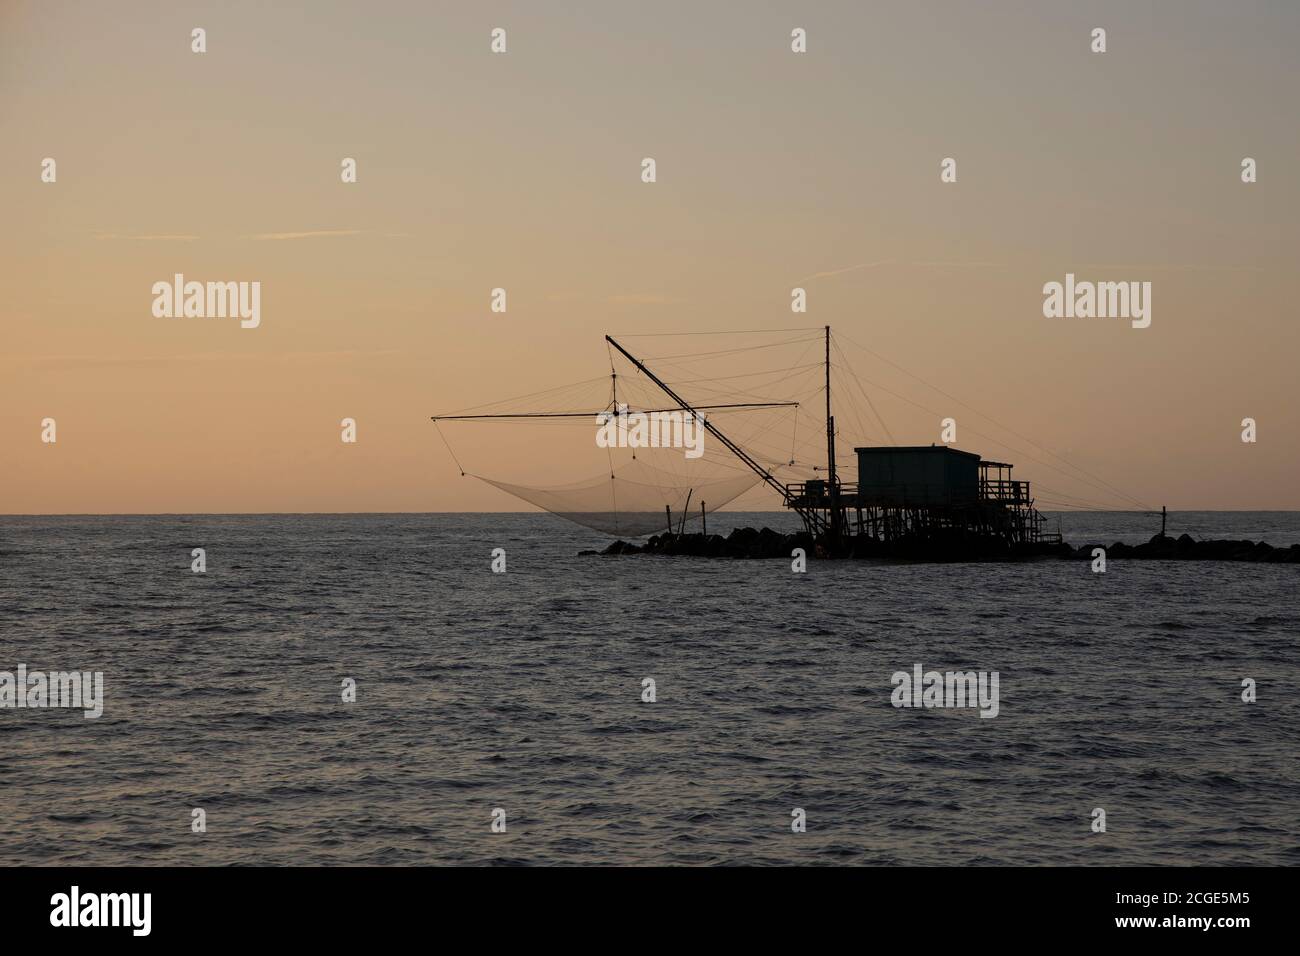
{"points": [[766, 543], [620, 547]]}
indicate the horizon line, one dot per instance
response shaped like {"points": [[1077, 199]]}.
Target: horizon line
{"points": [[289, 514]]}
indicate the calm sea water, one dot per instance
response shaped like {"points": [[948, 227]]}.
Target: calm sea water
{"points": [[523, 691]]}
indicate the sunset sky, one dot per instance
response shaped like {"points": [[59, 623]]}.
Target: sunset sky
{"points": [[522, 171]]}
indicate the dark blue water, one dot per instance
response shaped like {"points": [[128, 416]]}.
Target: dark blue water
{"points": [[523, 691]]}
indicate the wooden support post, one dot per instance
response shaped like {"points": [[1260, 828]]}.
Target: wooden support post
{"points": [[704, 523]]}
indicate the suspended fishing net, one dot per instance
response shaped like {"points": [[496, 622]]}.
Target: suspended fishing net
{"points": [[636, 499], [545, 448]]}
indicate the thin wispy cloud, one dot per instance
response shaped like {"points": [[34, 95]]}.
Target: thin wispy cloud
{"points": [[149, 238], [1172, 267], [622, 298], [947, 264], [80, 361], [835, 272], [901, 262], [312, 234]]}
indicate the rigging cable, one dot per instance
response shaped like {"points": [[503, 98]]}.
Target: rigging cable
{"points": [[1111, 488], [853, 376], [448, 444]]}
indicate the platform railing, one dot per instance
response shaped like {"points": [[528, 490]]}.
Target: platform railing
{"points": [[1004, 489]]}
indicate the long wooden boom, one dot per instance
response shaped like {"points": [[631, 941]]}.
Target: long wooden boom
{"points": [[652, 411], [713, 430]]}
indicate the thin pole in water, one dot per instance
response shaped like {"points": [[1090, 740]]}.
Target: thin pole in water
{"points": [[704, 524]]}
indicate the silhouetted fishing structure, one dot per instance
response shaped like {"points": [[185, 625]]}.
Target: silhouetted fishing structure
{"points": [[906, 499], [920, 502]]}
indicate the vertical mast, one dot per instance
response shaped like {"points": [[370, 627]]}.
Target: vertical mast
{"points": [[830, 448]]}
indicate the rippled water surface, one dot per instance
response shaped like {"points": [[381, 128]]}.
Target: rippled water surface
{"points": [[523, 691]]}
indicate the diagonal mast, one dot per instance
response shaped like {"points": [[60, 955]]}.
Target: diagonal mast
{"points": [[713, 430]]}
